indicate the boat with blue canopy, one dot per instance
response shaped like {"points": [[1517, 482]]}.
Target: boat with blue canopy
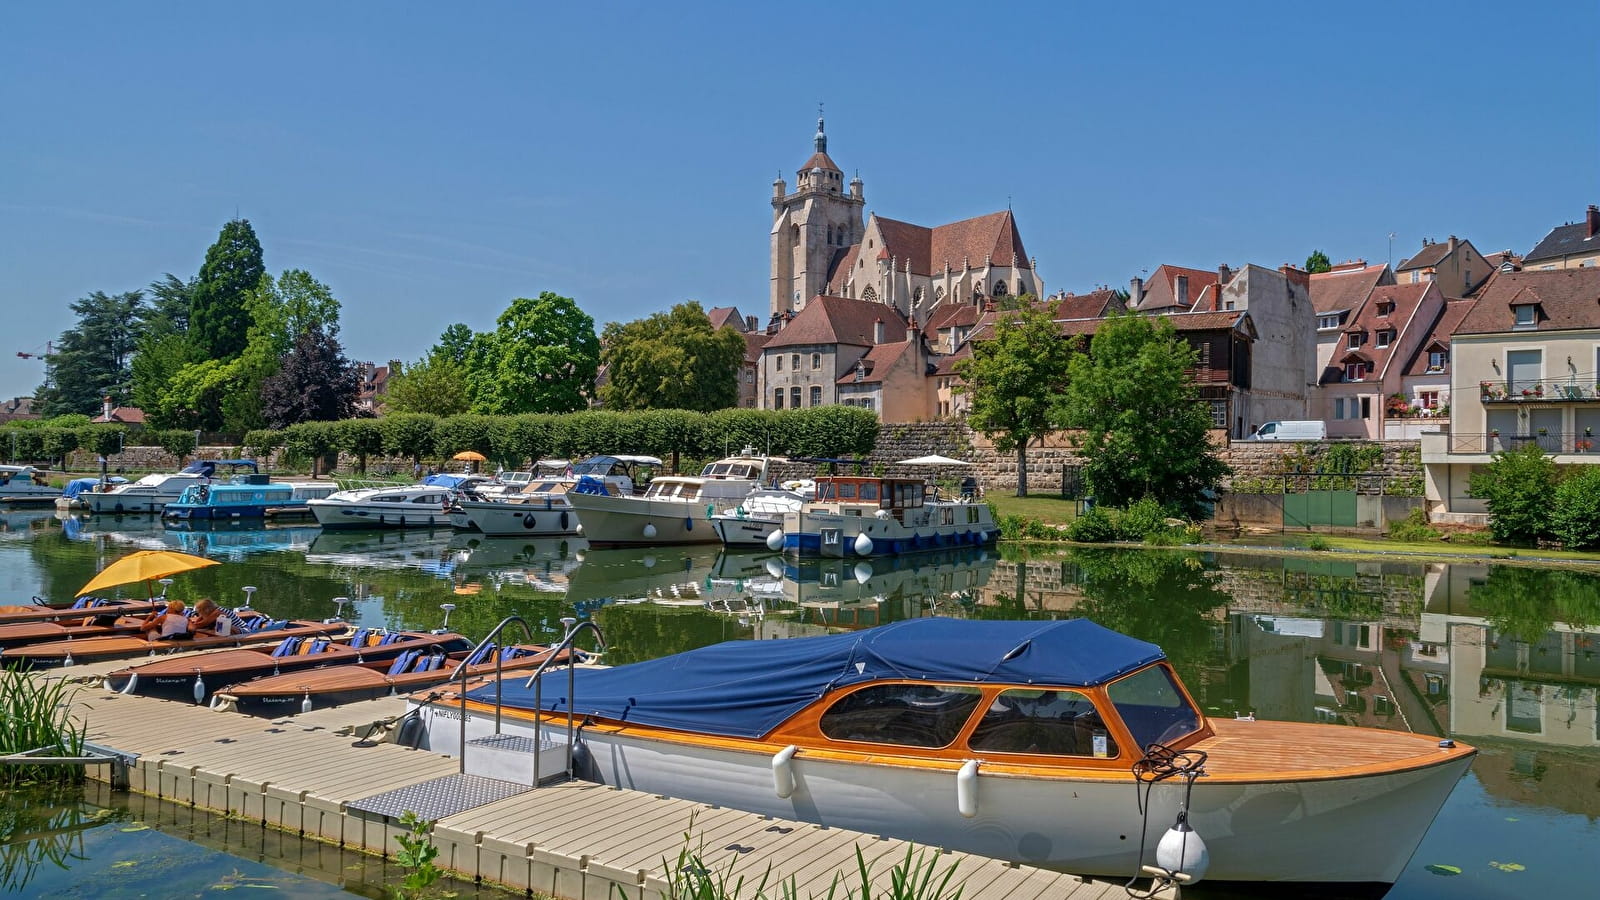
{"points": [[1059, 744]]}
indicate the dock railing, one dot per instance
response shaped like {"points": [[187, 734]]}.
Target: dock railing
{"points": [[460, 676]]}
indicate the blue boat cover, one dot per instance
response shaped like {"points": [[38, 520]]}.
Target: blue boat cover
{"points": [[87, 485], [445, 480], [748, 688]]}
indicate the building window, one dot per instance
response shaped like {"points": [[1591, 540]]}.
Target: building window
{"points": [[1354, 371], [1366, 407], [779, 358], [749, 377], [1385, 337], [794, 398], [777, 398], [1357, 338], [868, 403], [816, 360], [1416, 277], [1326, 323], [1384, 309], [1338, 407], [794, 361], [816, 395], [1428, 399], [1526, 315], [1437, 360]]}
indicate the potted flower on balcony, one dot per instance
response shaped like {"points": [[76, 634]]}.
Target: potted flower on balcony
{"points": [[1486, 389], [1544, 432], [1583, 446]]}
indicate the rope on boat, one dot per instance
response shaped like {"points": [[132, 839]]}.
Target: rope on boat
{"points": [[1158, 764]]}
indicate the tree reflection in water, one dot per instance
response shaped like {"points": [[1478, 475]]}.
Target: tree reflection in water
{"points": [[40, 826]]}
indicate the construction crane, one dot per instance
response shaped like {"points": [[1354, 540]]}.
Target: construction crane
{"points": [[49, 348]]}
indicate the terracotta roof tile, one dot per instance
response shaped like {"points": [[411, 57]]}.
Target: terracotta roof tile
{"points": [[1439, 336], [819, 160], [725, 315], [970, 241], [840, 320], [877, 362], [1405, 298], [1430, 255], [1161, 290], [844, 260], [1568, 299], [754, 342], [1093, 305], [1343, 290], [952, 315]]}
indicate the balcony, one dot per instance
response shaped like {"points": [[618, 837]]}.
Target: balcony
{"points": [[1585, 443], [1586, 390]]}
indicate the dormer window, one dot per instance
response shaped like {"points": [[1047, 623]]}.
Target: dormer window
{"points": [[1357, 338], [1384, 309], [1354, 371], [1325, 323], [1437, 359], [1526, 315], [1385, 337]]}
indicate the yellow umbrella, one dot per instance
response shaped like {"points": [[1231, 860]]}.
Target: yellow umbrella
{"points": [[145, 565], [470, 456]]}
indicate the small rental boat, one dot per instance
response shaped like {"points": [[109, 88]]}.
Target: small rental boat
{"points": [[675, 509], [1058, 744], [20, 484], [541, 506], [863, 516], [245, 497], [297, 692], [752, 522], [94, 621], [43, 611], [196, 677], [410, 506], [52, 654], [152, 493]]}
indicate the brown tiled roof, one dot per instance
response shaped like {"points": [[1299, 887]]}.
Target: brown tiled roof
{"points": [[754, 341], [970, 241], [1092, 305], [877, 361], [1406, 298], [819, 160], [725, 315], [1181, 322], [840, 320], [1439, 336], [844, 260], [1161, 290], [127, 415], [946, 365], [1430, 255], [1343, 290], [1568, 299], [952, 315]]}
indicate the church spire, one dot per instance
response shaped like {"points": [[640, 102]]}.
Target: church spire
{"points": [[822, 137]]}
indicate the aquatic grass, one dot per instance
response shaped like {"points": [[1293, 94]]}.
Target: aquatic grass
{"points": [[38, 719], [416, 856], [39, 827]]}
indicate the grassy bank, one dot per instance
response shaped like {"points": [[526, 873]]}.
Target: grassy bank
{"points": [[1047, 509]]}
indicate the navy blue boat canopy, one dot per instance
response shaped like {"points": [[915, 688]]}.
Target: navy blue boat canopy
{"points": [[208, 467], [748, 688]]}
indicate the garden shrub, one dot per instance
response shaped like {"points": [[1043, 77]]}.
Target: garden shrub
{"points": [[1575, 518], [1096, 526], [1414, 528], [1519, 488]]}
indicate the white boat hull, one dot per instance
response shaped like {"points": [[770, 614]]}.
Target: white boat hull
{"points": [[634, 521], [533, 519], [1358, 829], [748, 532], [334, 514], [114, 504], [941, 524]]}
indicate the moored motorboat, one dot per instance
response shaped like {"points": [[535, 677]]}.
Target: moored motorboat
{"points": [[542, 506], [751, 523], [675, 509], [863, 516], [186, 678], [22, 484], [409, 506], [43, 611], [51, 654], [95, 621], [1058, 744], [249, 497], [296, 692], [152, 493]]}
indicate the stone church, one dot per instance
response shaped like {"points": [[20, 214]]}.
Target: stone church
{"points": [[821, 245]]}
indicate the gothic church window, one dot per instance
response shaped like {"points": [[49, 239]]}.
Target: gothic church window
{"points": [[869, 295], [999, 288]]}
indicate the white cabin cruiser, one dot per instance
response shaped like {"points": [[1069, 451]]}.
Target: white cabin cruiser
{"points": [[675, 509], [753, 521], [23, 483], [410, 506], [152, 493], [543, 507]]}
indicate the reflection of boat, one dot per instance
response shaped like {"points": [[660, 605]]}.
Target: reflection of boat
{"points": [[23, 522], [65, 653], [855, 516], [407, 506], [675, 509], [296, 692], [153, 492], [185, 678], [1015, 740], [219, 539], [635, 572], [381, 549], [543, 564]]}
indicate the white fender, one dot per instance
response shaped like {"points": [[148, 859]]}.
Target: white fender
{"points": [[306, 705], [649, 529], [783, 771], [1182, 850], [775, 539], [199, 688], [967, 789], [133, 682], [863, 544]]}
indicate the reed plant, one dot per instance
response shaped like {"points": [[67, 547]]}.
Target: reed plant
{"points": [[38, 719]]}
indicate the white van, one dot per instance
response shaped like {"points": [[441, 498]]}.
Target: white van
{"points": [[1313, 430]]}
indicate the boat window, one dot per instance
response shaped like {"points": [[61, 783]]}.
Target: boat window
{"points": [[393, 498], [1152, 706], [1051, 723], [847, 492], [689, 492], [869, 490], [429, 498], [911, 715]]}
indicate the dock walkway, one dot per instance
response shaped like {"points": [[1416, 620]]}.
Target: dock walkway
{"points": [[573, 840]]}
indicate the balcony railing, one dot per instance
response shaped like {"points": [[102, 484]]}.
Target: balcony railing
{"points": [[1549, 442], [1519, 391]]}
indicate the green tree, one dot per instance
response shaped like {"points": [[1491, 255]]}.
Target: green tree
{"points": [[1145, 432], [1318, 262], [219, 321], [92, 359], [1575, 520], [1011, 381], [1519, 488], [671, 360], [409, 434], [316, 383], [170, 298], [456, 344], [542, 357], [434, 384]]}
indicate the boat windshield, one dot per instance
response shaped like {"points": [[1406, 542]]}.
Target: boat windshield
{"points": [[1152, 706]]}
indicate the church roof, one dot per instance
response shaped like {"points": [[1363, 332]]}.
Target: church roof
{"points": [[725, 315], [970, 241], [844, 259], [840, 320], [820, 160]]}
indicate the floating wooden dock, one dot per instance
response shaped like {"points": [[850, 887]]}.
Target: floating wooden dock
{"points": [[319, 775]]}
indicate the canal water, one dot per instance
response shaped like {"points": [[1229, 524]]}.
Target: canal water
{"points": [[1504, 657]]}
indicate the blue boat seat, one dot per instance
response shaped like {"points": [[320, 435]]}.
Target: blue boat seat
{"points": [[403, 660], [481, 654], [359, 639], [389, 638], [287, 647], [81, 603], [428, 663]]}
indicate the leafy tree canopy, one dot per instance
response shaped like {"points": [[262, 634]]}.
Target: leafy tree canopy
{"points": [[218, 319], [1011, 381], [1144, 431], [316, 383], [92, 359], [432, 384], [671, 360], [1519, 487], [542, 357], [1318, 262]]}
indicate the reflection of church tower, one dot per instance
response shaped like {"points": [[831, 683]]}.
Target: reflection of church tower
{"points": [[812, 227]]}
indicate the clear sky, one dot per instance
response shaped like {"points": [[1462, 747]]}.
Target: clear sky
{"points": [[432, 161]]}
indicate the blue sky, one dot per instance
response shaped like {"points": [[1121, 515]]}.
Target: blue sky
{"points": [[430, 162]]}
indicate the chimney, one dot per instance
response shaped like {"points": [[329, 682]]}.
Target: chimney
{"points": [[877, 331], [1452, 244], [1592, 218], [1180, 290], [1135, 291], [750, 324], [105, 406], [1295, 275], [1224, 275]]}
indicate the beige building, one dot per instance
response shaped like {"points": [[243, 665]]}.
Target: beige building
{"points": [[1455, 265], [1574, 245], [1524, 368], [1368, 366], [804, 362]]}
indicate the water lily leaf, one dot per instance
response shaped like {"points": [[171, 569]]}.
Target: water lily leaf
{"points": [[132, 828], [1509, 867], [1441, 869], [1512, 819], [125, 864]]}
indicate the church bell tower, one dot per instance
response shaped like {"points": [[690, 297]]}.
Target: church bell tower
{"points": [[812, 228]]}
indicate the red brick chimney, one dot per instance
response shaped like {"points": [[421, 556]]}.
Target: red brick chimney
{"points": [[1296, 275], [1592, 218]]}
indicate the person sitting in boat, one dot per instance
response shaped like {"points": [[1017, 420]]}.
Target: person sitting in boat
{"points": [[211, 619], [169, 624]]}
